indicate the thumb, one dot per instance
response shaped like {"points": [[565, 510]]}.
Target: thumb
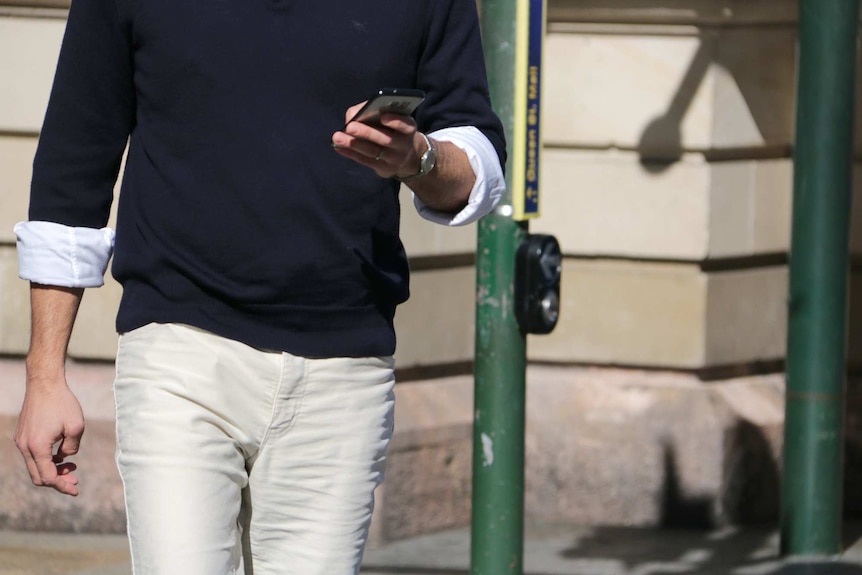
{"points": [[352, 110]]}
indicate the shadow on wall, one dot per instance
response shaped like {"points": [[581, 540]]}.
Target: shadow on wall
{"points": [[692, 542], [749, 492], [767, 92], [751, 477], [678, 509], [661, 142]]}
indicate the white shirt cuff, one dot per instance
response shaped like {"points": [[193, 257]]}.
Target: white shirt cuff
{"points": [[490, 182], [58, 255]]}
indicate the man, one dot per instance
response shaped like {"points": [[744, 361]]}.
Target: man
{"points": [[257, 245]]}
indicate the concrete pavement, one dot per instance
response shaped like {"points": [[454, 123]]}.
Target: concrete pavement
{"points": [[549, 550]]}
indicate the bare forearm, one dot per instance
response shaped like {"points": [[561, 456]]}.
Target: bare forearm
{"points": [[447, 187], [53, 311], [51, 415]]}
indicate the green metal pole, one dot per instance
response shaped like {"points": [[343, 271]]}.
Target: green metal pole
{"points": [[500, 358], [814, 421]]}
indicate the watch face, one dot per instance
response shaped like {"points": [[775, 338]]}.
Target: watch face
{"points": [[428, 159]]}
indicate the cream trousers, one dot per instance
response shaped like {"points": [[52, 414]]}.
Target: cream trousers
{"points": [[241, 461]]}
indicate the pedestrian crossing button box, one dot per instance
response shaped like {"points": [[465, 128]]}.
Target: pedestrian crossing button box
{"points": [[538, 268]]}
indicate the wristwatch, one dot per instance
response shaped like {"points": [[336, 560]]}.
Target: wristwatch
{"points": [[426, 162]]}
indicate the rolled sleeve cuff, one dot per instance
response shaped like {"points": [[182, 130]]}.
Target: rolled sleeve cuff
{"points": [[59, 255], [490, 182]]}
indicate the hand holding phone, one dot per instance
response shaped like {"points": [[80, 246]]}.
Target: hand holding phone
{"points": [[386, 150]]}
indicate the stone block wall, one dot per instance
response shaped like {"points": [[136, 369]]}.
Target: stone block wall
{"points": [[668, 181], [667, 177]]}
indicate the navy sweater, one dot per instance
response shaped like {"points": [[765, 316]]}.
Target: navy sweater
{"points": [[235, 214]]}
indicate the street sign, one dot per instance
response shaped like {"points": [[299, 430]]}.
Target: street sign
{"points": [[527, 144]]}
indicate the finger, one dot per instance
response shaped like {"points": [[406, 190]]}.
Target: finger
{"points": [[45, 466], [66, 468], [366, 148], [351, 111], [399, 122], [380, 137], [31, 466], [70, 444], [20, 445], [66, 484], [381, 168], [342, 140]]}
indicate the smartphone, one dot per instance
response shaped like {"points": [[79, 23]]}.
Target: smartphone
{"points": [[388, 101]]}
